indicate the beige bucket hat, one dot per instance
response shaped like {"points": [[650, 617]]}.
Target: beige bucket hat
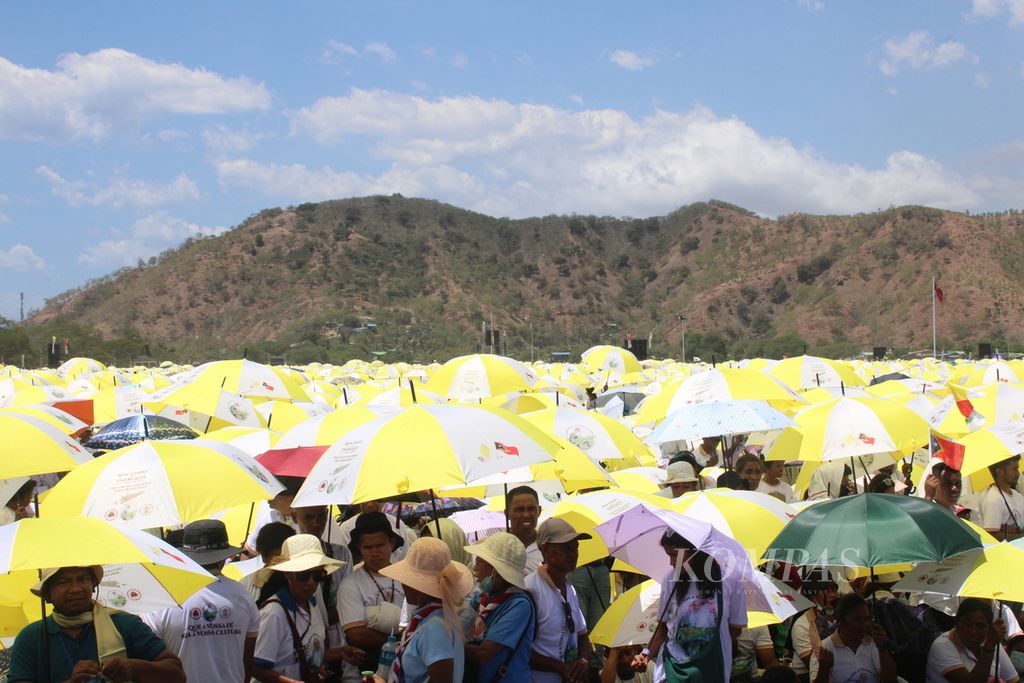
{"points": [[428, 567], [506, 554], [303, 552]]}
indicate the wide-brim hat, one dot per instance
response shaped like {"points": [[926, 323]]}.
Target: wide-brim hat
{"points": [[680, 472], [372, 523], [506, 554], [47, 574], [428, 567], [206, 542], [303, 552]]}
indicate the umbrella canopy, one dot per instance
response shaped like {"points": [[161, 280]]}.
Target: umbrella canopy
{"points": [[135, 428], [991, 572], [251, 440], [634, 537], [323, 430], [246, 378], [204, 406], [161, 483], [68, 424], [480, 376], [870, 530], [752, 518], [850, 427], [152, 572], [719, 418], [716, 384], [610, 358], [598, 436], [809, 372], [51, 450], [420, 448]]}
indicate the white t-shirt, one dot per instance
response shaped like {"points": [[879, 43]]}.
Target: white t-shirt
{"points": [[782, 488], [533, 557], [360, 591], [862, 666], [994, 512], [208, 631], [703, 457], [800, 634], [702, 613], [945, 655], [275, 644], [748, 643], [554, 637]]}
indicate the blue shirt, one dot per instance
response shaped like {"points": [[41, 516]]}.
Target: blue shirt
{"points": [[27, 657], [432, 642], [510, 625]]}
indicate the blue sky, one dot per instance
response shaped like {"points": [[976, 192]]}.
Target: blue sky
{"points": [[127, 127]]}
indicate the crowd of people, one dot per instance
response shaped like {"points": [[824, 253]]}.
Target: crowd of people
{"points": [[381, 602]]}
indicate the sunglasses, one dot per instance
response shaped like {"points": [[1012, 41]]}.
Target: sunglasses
{"points": [[317, 575]]}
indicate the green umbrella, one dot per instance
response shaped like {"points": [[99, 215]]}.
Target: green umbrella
{"points": [[870, 530]]}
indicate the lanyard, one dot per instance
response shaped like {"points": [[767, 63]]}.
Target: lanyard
{"points": [[381, 590]]}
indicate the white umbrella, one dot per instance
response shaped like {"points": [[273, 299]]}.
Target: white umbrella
{"points": [[719, 418]]}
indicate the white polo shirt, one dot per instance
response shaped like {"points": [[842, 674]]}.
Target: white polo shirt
{"points": [[946, 655], [862, 666], [553, 634], [995, 511]]}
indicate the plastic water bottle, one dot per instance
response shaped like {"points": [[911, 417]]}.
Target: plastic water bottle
{"points": [[387, 657]]}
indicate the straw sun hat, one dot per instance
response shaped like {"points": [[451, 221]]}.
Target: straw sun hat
{"points": [[428, 568], [506, 554], [303, 552]]}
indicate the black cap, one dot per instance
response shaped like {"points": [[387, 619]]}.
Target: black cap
{"points": [[206, 542]]}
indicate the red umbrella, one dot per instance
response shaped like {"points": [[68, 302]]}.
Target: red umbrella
{"points": [[291, 462]]}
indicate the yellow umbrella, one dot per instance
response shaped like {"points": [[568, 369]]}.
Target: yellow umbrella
{"points": [[149, 570], [246, 378], [161, 483], [55, 417], [31, 447], [808, 372], [585, 511], [611, 358], [992, 572], [250, 440], [599, 436], [479, 376], [323, 430], [753, 519]]}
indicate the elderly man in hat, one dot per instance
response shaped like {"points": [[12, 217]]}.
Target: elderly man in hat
{"points": [[214, 631], [86, 641], [369, 603], [561, 650], [506, 609]]}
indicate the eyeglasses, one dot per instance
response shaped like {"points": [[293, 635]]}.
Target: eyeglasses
{"points": [[303, 577]]}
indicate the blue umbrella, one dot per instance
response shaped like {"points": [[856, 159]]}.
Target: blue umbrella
{"points": [[135, 428]]}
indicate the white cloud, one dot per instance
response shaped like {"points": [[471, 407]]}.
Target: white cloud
{"points": [[890, 90], [633, 61], [146, 237], [92, 96], [990, 9], [21, 258], [981, 81], [222, 138], [526, 159], [429, 52], [460, 61], [578, 99], [335, 52], [525, 58], [419, 85], [172, 135], [121, 192], [4, 198], [917, 51], [381, 50], [815, 5]]}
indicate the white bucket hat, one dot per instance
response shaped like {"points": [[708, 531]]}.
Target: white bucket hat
{"points": [[506, 554], [303, 552], [679, 473]]}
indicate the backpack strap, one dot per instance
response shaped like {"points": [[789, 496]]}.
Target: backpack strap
{"points": [[300, 649]]}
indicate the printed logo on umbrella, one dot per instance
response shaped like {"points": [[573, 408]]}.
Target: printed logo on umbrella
{"points": [[864, 438]]}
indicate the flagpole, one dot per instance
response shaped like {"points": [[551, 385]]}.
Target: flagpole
{"points": [[934, 355]]}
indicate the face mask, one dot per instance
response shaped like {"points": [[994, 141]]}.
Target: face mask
{"points": [[1018, 661], [487, 585]]}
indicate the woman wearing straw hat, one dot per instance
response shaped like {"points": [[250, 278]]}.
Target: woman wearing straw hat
{"points": [[506, 608], [292, 642], [432, 647]]}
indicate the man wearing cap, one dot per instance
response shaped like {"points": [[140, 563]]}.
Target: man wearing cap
{"points": [[561, 649], [506, 609], [214, 631], [87, 641], [523, 509], [369, 603], [679, 479]]}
